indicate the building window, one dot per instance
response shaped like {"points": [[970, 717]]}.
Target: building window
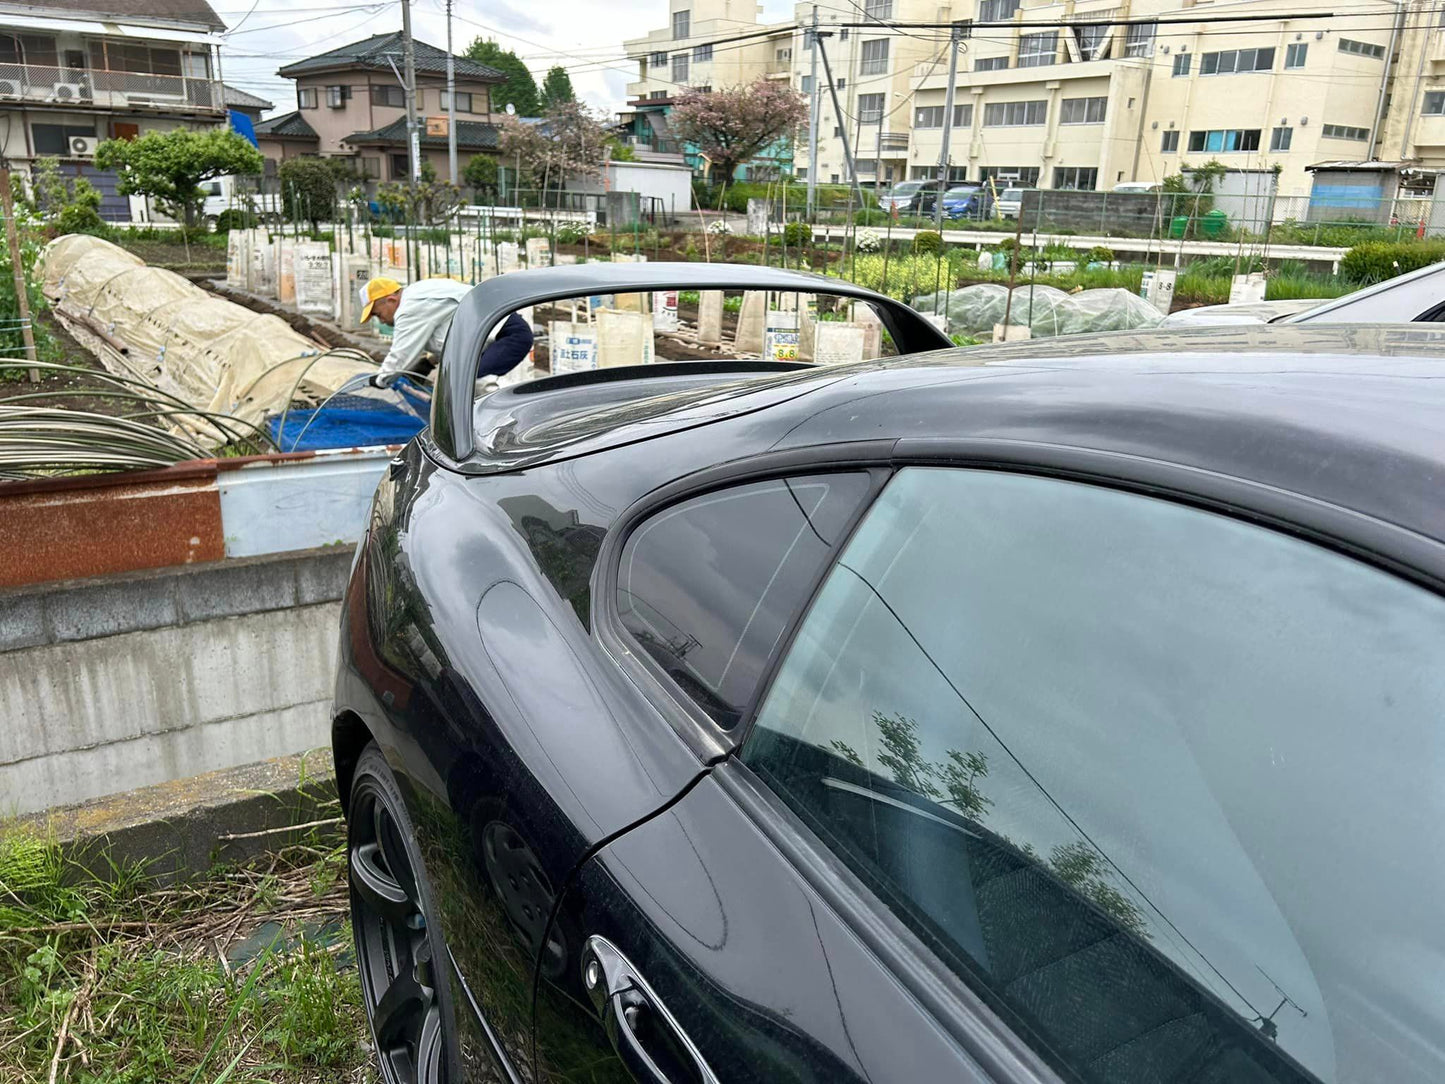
{"points": [[34, 49], [701, 53], [807, 84], [1344, 131], [399, 167], [1139, 39], [337, 97], [1227, 139], [995, 11], [306, 97], [1236, 60], [656, 95], [1076, 178], [1169, 144], [843, 34], [129, 57], [1010, 176], [990, 64], [874, 60], [1362, 48], [679, 67], [878, 9], [870, 108], [704, 89], [1280, 139], [464, 102], [659, 60], [1294, 55], [371, 168], [1015, 114], [963, 115], [1091, 40], [681, 24], [1083, 111], [840, 83], [391, 96], [783, 56], [832, 178], [1038, 50], [55, 138], [1182, 62], [928, 116], [801, 172], [1434, 103]]}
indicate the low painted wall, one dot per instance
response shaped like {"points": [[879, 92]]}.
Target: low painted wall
{"points": [[129, 680]]}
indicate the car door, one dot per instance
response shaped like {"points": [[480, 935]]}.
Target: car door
{"points": [[1054, 780]]}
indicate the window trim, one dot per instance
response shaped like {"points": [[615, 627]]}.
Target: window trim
{"points": [[706, 738]]}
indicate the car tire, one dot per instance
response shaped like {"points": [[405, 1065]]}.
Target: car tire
{"points": [[400, 954]]}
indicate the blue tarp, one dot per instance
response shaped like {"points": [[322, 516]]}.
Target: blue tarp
{"points": [[354, 421], [241, 124]]}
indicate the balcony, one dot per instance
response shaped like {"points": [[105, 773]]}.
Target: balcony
{"points": [[888, 143], [93, 88]]}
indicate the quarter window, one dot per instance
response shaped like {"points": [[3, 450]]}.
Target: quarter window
{"points": [[1159, 784], [707, 587]]}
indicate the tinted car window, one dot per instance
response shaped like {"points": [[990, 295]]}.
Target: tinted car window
{"points": [[1163, 786], [708, 586]]}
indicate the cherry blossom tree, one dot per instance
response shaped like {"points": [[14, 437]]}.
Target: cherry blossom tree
{"points": [[730, 126]]}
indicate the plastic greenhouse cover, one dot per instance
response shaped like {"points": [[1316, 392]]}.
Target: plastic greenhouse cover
{"points": [[1045, 310]]}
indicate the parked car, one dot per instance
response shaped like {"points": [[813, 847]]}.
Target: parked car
{"points": [[1414, 297], [1035, 712], [911, 197], [1010, 201], [971, 201], [1145, 187]]}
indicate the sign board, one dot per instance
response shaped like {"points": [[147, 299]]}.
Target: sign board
{"points": [[313, 278], [437, 126], [263, 268], [1157, 288], [664, 310], [574, 346], [237, 258], [1247, 289], [837, 344], [780, 336]]}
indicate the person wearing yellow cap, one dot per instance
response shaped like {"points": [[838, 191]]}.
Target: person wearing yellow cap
{"points": [[420, 315]]}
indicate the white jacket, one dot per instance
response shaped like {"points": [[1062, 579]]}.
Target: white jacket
{"points": [[422, 320]]}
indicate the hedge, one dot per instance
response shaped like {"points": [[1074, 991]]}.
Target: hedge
{"points": [[1375, 261]]}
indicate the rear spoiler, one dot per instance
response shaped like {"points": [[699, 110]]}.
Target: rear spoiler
{"points": [[496, 299]]}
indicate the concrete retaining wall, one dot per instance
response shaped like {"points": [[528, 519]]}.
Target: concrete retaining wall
{"points": [[126, 681]]}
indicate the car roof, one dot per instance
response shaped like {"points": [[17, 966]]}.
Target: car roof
{"points": [[1351, 415]]}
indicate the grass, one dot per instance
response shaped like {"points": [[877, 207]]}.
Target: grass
{"points": [[238, 976]]}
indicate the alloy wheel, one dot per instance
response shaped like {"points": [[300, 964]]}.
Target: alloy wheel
{"points": [[399, 975]]}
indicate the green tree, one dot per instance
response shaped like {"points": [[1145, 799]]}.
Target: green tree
{"points": [[520, 89], [170, 166], [308, 190], [481, 174], [557, 87]]}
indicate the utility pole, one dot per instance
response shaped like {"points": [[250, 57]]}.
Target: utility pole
{"points": [[408, 60], [956, 36], [451, 100], [813, 119], [17, 265], [838, 109]]}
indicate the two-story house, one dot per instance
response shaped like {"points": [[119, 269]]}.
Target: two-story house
{"points": [[350, 103], [75, 72]]}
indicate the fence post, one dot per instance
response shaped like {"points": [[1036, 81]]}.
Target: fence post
{"points": [[17, 266]]}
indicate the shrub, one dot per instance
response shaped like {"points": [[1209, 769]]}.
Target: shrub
{"points": [[797, 234], [570, 233], [720, 227], [1375, 261], [927, 243], [232, 218], [868, 241], [1100, 254]]}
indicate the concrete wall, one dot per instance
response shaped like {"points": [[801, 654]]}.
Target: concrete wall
{"points": [[126, 681]]}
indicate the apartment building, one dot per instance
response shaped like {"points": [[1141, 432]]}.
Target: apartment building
{"points": [[76, 72], [1061, 100], [692, 51], [1414, 130], [350, 103]]}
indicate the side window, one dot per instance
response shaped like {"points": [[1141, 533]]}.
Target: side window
{"points": [[707, 587], [1162, 786]]}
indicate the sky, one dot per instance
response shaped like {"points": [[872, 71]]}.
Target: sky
{"points": [[585, 36]]}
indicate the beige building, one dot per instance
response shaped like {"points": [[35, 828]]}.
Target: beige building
{"points": [[694, 50], [350, 104], [1071, 106]]}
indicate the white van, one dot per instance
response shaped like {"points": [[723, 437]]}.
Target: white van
{"points": [[1145, 187], [222, 193]]}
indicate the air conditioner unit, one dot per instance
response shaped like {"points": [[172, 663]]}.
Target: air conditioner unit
{"points": [[83, 146], [66, 92], [9, 89]]}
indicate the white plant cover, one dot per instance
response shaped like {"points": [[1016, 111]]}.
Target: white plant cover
{"points": [[216, 355], [1045, 310]]}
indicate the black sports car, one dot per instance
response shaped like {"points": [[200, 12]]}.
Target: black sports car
{"points": [[1054, 711]]}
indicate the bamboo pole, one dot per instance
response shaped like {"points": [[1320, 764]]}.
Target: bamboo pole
{"points": [[17, 264]]}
